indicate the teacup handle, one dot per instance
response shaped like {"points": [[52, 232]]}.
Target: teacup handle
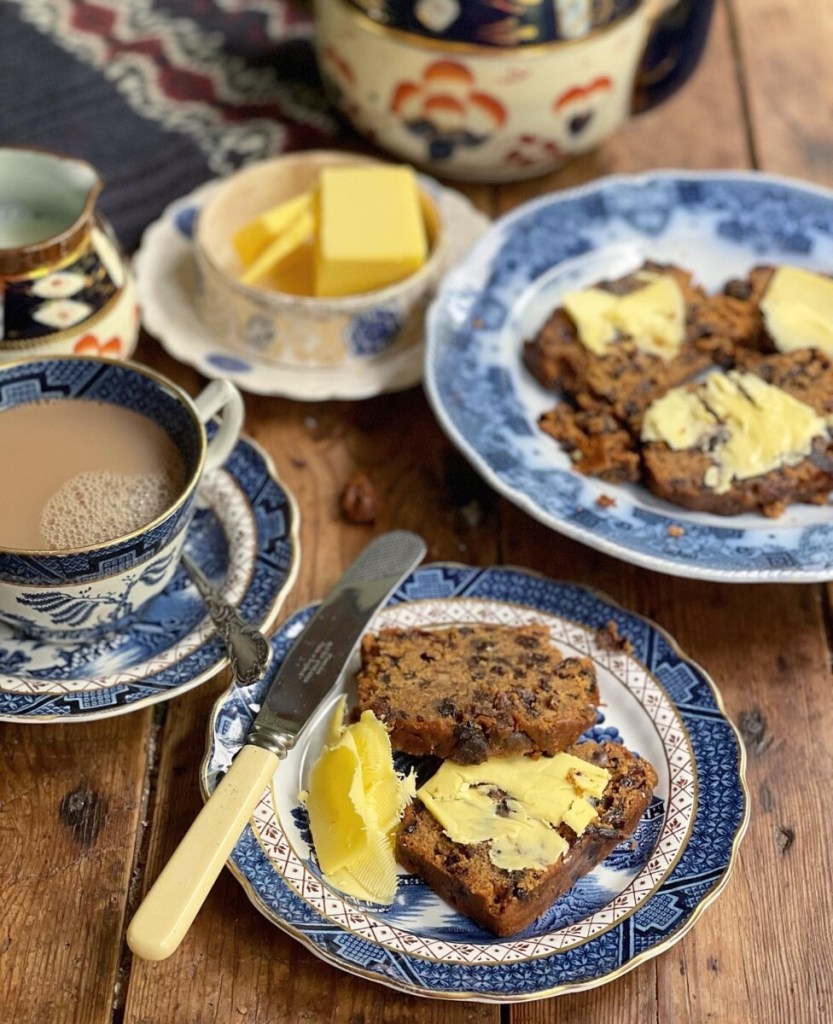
{"points": [[221, 395], [675, 44]]}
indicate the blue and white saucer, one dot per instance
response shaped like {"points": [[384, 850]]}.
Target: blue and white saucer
{"points": [[640, 901], [244, 536], [718, 225]]}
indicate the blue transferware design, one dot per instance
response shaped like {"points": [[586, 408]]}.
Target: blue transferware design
{"points": [[370, 333], [145, 662], [693, 881], [229, 363], [121, 385], [69, 611], [186, 220], [718, 224]]}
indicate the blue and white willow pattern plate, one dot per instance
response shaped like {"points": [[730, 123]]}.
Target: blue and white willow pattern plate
{"points": [[642, 899], [243, 535], [718, 225]]}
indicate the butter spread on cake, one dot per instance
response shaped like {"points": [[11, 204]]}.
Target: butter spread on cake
{"points": [[798, 310], [747, 427], [516, 804], [652, 316], [507, 899]]}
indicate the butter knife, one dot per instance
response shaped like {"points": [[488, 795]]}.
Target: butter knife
{"points": [[308, 673]]}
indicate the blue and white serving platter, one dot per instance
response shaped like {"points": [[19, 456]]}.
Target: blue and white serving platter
{"points": [[244, 536], [719, 225], [641, 900], [166, 280]]}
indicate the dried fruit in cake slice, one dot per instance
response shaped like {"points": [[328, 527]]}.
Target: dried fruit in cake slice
{"points": [[503, 840], [758, 437], [474, 692]]}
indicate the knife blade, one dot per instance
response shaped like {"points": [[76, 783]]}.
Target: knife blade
{"points": [[309, 672]]}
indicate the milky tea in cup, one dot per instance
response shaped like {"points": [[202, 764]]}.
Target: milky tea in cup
{"points": [[82, 472], [100, 462]]}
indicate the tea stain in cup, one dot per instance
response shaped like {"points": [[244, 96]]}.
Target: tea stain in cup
{"points": [[79, 472]]}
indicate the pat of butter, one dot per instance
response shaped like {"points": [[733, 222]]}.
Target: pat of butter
{"points": [[253, 238], [798, 310], [371, 230], [747, 427], [653, 316], [282, 249], [355, 800], [515, 804]]}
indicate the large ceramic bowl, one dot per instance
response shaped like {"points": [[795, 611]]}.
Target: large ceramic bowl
{"points": [[499, 112], [295, 330]]}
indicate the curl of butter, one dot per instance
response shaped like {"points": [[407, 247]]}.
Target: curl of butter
{"points": [[354, 801]]}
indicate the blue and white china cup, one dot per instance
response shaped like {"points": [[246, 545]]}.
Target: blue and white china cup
{"points": [[75, 595]]}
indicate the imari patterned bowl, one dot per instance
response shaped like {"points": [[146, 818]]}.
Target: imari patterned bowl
{"points": [[496, 90], [643, 898], [84, 593], [296, 330]]}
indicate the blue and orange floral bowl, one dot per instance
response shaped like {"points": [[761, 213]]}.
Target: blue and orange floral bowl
{"points": [[295, 330], [504, 105]]}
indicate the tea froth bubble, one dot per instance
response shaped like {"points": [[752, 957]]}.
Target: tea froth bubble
{"points": [[95, 507]]}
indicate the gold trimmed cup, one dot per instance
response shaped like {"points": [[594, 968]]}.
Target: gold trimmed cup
{"points": [[76, 595], [65, 286]]}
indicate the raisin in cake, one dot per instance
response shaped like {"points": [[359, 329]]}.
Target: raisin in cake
{"points": [[507, 900], [474, 692], [757, 438]]}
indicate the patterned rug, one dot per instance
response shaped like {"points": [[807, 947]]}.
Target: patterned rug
{"points": [[160, 95]]}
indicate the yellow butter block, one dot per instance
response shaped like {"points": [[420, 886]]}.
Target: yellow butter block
{"points": [[283, 246], [296, 274], [252, 239], [371, 229]]}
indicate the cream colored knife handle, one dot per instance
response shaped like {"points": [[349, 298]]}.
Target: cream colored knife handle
{"points": [[166, 913]]}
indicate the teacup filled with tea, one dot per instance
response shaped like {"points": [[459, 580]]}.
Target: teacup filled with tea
{"points": [[101, 461]]}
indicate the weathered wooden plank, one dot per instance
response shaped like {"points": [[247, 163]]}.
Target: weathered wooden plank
{"points": [[764, 646], [702, 126], [784, 52], [70, 802], [234, 965]]}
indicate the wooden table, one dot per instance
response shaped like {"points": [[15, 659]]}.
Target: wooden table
{"points": [[90, 812]]}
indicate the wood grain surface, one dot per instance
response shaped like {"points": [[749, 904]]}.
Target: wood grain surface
{"points": [[89, 813]]}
